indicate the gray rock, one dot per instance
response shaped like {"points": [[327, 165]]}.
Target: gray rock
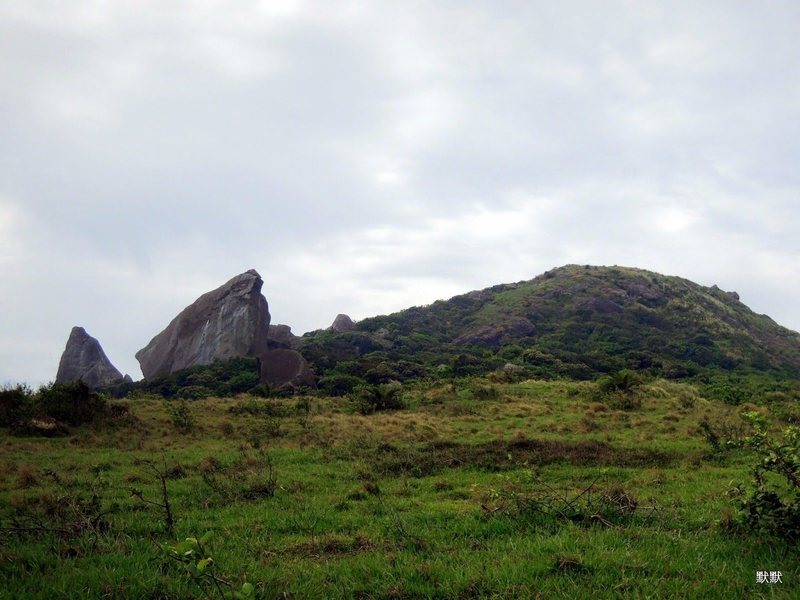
{"points": [[600, 305], [343, 323], [499, 333], [285, 369], [84, 359], [41, 426], [281, 336], [230, 321]]}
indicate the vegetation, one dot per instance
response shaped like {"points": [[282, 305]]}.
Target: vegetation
{"points": [[469, 488], [574, 322]]}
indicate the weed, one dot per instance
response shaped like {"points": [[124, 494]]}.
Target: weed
{"points": [[251, 475], [181, 415]]}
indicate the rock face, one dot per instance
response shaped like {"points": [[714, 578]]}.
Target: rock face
{"points": [[498, 333], [343, 323], [285, 369], [281, 336], [230, 321], [84, 359]]}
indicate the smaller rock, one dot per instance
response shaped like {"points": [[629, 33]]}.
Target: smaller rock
{"points": [[281, 336], [343, 323], [496, 334], [41, 426], [127, 378], [285, 370], [600, 305]]}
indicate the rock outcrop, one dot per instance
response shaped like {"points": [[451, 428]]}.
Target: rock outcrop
{"points": [[498, 333], [84, 359], [281, 336], [343, 323], [285, 370], [230, 321]]}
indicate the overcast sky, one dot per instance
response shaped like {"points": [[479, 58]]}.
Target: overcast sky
{"points": [[369, 156]]}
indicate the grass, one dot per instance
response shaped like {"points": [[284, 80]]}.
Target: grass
{"points": [[404, 504]]}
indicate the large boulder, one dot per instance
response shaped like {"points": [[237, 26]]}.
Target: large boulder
{"points": [[285, 370], [84, 359], [230, 321], [281, 336], [343, 323]]}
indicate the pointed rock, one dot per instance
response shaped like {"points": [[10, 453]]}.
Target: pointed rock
{"points": [[230, 321], [84, 359], [343, 323]]}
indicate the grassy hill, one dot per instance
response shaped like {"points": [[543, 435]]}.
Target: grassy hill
{"points": [[575, 322]]}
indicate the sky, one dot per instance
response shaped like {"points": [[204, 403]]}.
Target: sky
{"points": [[365, 157]]}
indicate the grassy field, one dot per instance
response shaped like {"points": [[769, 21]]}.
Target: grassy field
{"points": [[530, 490]]}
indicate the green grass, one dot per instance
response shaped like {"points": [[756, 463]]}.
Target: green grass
{"points": [[405, 504]]}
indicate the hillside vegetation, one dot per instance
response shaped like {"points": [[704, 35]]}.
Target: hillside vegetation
{"points": [[575, 322]]}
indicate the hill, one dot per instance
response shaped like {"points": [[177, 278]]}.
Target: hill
{"points": [[573, 321]]}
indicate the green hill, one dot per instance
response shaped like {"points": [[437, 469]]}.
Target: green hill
{"points": [[573, 321]]}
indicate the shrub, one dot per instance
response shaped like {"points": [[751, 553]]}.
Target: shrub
{"points": [[73, 403], [181, 415], [339, 385], [620, 390], [16, 403], [772, 508], [194, 392], [373, 398], [486, 392]]}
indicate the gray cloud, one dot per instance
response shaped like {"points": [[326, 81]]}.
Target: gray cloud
{"points": [[365, 157]]}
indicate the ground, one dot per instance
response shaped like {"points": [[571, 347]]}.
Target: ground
{"points": [[473, 490]]}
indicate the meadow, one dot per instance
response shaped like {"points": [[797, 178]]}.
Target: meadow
{"points": [[473, 490]]}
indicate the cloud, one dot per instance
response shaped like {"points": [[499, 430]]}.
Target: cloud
{"points": [[365, 157]]}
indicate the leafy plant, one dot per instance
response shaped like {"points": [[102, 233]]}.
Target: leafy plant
{"points": [[195, 557], [774, 508], [374, 398], [621, 390], [181, 415]]}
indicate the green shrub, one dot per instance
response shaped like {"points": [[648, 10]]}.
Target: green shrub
{"points": [[773, 507], [73, 403], [620, 390], [194, 392], [339, 385], [16, 403], [374, 398], [181, 415]]}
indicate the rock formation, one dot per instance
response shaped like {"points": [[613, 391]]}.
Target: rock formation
{"points": [[343, 323], [281, 336], [230, 321], [285, 369], [84, 359], [498, 333]]}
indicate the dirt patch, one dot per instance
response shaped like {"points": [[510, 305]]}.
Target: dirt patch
{"points": [[499, 455]]}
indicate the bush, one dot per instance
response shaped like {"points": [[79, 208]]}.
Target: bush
{"points": [[16, 404], [339, 385], [73, 403], [181, 415], [620, 390], [373, 398], [194, 392], [774, 508]]}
